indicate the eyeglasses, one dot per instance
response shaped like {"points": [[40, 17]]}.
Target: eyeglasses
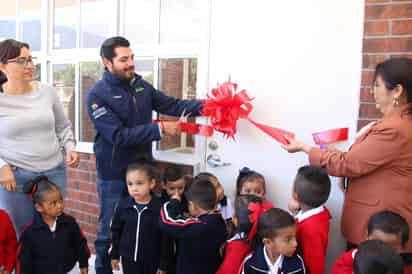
{"points": [[22, 61]]}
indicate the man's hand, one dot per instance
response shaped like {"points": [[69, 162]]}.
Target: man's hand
{"points": [[116, 265], [170, 128], [7, 179], [84, 270]]}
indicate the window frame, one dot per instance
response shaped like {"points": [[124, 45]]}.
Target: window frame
{"points": [[48, 56]]}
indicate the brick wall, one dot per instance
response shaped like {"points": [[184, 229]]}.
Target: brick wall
{"points": [[387, 33]]}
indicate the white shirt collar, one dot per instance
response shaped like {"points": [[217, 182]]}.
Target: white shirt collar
{"points": [[53, 227], [301, 216], [273, 268]]}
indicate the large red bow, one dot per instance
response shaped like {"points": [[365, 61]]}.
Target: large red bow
{"points": [[256, 209], [226, 106]]}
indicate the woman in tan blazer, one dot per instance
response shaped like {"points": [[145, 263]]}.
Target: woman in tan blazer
{"points": [[379, 163]]}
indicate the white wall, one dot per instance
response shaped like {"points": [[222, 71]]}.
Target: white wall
{"points": [[302, 62]]}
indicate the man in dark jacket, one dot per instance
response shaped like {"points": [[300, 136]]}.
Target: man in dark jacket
{"points": [[120, 106]]}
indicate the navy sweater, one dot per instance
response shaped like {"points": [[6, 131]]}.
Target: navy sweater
{"points": [[42, 251], [198, 239], [121, 112], [136, 235], [256, 264]]}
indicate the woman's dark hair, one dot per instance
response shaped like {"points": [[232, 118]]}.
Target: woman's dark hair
{"points": [[9, 49], [110, 44], [396, 71], [38, 186], [376, 257], [246, 174]]}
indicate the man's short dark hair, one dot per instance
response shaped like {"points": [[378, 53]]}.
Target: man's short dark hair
{"points": [[202, 193], [391, 223], [312, 186], [110, 44], [172, 174], [271, 221], [376, 257]]}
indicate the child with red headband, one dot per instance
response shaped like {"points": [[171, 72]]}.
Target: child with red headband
{"points": [[248, 208]]}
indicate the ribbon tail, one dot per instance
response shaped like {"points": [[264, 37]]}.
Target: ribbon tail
{"points": [[276, 133], [330, 136]]}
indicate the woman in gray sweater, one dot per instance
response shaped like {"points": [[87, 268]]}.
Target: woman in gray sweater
{"points": [[35, 135]]}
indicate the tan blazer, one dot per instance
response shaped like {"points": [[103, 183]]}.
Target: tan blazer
{"points": [[379, 168]]}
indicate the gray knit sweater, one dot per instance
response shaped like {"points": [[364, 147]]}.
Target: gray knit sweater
{"points": [[34, 130]]}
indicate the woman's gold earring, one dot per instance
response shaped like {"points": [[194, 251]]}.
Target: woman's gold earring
{"points": [[396, 102]]}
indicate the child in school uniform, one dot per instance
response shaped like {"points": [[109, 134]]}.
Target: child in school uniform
{"points": [[136, 236], [250, 182], [174, 181], [377, 257], [53, 242], [386, 226], [276, 254], [200, 237], [248, 209], [8, 244], [311, 190]]}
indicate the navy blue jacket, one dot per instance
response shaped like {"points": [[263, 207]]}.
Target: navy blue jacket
{"points": [[198, 239], [256, 264], [121, 112], [136, 235], [44, 252]]}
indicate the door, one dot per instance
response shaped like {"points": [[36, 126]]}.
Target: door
{"points": [[301, 60]]}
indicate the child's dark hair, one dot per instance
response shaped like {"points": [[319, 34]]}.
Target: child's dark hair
{"points": [[245, 175], [273, 220], [37, 187], [205, 175], [391, 223], [146, 167], [172, 173], [376, 257], [312, 186], [202, 193]]}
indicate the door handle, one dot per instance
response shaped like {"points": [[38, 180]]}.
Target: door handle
{"points": [[214, 160]]}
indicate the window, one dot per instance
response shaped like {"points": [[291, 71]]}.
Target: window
{"points": [[65, 24], [30, 23], [97, 19], [140, 21], [182, 21], [63, 82], [8, 18], [90, 72], [168, 38], [177, 77]]}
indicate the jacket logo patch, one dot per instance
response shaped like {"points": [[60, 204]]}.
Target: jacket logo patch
{"points": [[139, 89], [94, 106], [99, 112]]}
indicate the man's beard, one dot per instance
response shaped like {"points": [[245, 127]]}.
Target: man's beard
{"points": [[128, 75]]}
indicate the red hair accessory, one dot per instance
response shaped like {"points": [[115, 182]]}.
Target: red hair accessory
{"points": [[256, 209]]}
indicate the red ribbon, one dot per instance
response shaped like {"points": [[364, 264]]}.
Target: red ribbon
{"points": [[256, 209], [330, 136], [225, 106]]}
